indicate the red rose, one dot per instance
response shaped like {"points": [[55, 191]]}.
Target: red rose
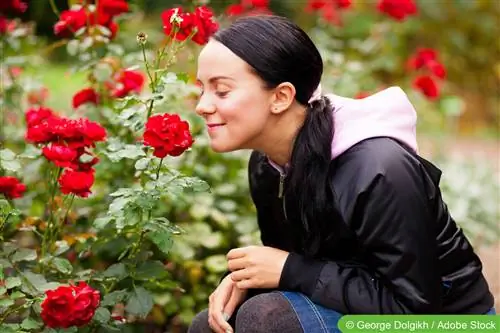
{"points": [[184, 27], [329, 8], [168, 135], [87, 95], [11, 187], [70, 22], [86, 302], [76, 182], [60, 154], [398, 9], [128, 81], [69, 306], [235, 10], [203, 20], [112, 7], [57, 307], [16, 6], [4, 23], [437, 69], [427, 86], [35, 116]]}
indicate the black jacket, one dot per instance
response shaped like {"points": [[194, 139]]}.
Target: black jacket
{"points": [[399, 250]]}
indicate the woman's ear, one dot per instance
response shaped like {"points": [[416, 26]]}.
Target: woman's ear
{"points": [[283, 97]]}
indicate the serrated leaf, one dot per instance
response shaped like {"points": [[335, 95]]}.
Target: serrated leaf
{"points": [[7, 155], [30, 324], [24, 255], [12, 282], [150, 270], [162, 239], [6, 302], [140, 302], [142, 163], [13, 165], [16, 295], [37, 280], [102, 315], [118, 271], [62, 265], [101, 222], [114, 297]]}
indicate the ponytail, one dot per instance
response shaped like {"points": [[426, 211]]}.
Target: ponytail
{"points": [[310, 162]]}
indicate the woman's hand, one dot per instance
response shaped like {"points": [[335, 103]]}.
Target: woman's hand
{"points": [[222, 303], [256, 266]]}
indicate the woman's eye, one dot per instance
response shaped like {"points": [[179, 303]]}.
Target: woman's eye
{"points": [[222, 93]]}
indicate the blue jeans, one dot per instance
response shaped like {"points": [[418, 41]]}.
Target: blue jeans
{"points": [[315, 318]]}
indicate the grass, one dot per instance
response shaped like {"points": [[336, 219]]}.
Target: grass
{"points": [[62, 84]]}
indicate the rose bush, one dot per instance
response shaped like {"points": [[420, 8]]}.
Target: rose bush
{"points": [[64, 213]]}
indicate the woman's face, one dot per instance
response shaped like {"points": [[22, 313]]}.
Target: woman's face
{"points": [[233, 102]]}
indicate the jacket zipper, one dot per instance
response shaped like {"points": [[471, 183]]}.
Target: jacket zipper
{"points": [[280, 192]]}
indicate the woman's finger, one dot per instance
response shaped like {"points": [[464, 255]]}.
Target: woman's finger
{"points": [[247, 284], [242, 274], [236, 264]]}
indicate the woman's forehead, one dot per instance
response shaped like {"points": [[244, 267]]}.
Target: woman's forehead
{"points": [[216, 60]]}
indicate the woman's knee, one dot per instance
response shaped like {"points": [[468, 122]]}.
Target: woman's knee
{"points": [[268, 312], [200, 323]]}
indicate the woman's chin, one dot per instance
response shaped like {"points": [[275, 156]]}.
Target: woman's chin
{"points": [[222, 147]]}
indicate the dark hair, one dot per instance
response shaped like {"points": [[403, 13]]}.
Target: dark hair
{"points": [[280, 51]]}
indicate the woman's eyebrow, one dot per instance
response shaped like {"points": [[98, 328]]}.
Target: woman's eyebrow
{"points": [[216, 78]]}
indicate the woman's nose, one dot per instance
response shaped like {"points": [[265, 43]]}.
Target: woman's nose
{"points": [[204, 106]]}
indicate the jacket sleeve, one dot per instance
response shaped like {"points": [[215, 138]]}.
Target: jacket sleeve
{"points": [[392, 219]]}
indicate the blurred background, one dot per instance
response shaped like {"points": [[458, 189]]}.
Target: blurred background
{"points": [[444, 54]]}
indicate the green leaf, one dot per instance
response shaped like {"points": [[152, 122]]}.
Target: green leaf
{"points": [[7, 155], [16, 295], [72, 47], [102, 315], [3, 290], [9, 328], [62, 265], [114, 297], [142, 163], [31, 152], [30, 324], [127, 151], [140, 302], [6, 302], [24, 255], [118, 271], [12, 282], [37, 280], [101, 222], [162, 239], [13, 165], [150, 270]]}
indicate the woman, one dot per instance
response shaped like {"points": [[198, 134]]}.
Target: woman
{"points": [[351, 218]]}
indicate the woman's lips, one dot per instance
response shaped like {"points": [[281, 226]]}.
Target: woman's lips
{"points": [[214, 126]]}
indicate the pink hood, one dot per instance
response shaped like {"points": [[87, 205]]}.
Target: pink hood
{"points": [[388, 113]]}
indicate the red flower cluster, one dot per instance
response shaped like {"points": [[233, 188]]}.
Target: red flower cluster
{"points": [[13, 6], [249, 7], [168, 135], [329, 9], [11, 187], [69, 306], [81, 16], [123, 83], [126, 82], [426, 62], [184, 23], [398, 9], [66, 142]]}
